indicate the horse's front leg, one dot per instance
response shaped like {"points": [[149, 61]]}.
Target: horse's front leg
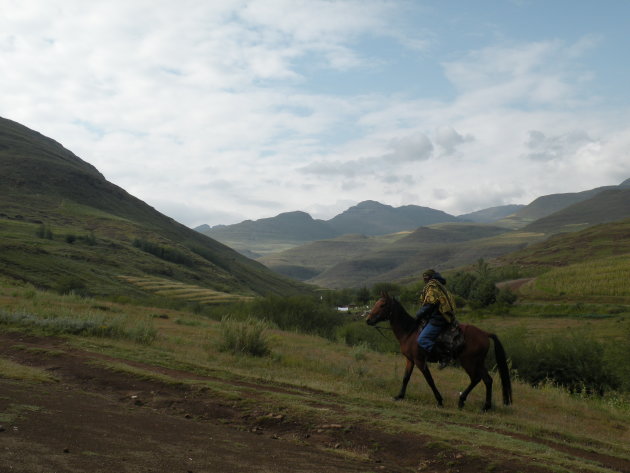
{"points": [[403, 388], [424, 367]]}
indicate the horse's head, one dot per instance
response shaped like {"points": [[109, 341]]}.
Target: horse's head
{"points": [[381, 311]]}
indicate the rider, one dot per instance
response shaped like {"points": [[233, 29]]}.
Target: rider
{"points": [[438, 308]]}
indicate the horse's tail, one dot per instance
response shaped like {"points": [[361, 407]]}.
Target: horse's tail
{"points": [[504, 371]]}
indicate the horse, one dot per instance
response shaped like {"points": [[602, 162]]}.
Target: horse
{"points": [[472, 358]]}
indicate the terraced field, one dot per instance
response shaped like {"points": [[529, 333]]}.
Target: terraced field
{"points": [[182, 291]]}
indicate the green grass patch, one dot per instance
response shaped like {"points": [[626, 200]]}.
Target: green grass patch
{"points": [[12, 370], [93, 325]]}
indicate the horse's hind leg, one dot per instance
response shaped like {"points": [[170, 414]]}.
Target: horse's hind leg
{"points": [[487, 380], [407, 375], [427, 375], [475, 372]]}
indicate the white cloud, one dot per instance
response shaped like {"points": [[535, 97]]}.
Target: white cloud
{"points": [[244, 109]]}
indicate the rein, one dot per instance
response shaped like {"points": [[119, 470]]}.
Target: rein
{"points": [[380, 330]]}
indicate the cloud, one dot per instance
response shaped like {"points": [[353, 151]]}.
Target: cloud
{"points": [[416, 147], [549, 148], [448, 139], [253, 107]]}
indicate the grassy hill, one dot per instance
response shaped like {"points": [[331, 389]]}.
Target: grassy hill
{"points": [[606, 206], [592, 264], [492, 214], [440, 246], [64, 227], [550, 204]]}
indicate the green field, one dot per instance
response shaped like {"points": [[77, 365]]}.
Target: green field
{"points": [[543, 424]]}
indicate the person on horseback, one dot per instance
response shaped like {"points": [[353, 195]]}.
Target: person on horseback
{"points": [[438, 310]]}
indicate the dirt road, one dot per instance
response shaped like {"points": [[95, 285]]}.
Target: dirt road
{"points": [[97, 420]]}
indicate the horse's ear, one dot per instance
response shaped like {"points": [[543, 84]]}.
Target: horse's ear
{"points": [[384, 295]]}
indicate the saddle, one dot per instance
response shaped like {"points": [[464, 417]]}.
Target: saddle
{"points": [[451, 342], [448, 345]]}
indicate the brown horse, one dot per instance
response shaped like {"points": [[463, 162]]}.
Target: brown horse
{"points": [[472, 357]]}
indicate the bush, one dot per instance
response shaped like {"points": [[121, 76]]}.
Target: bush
{"points": [[85, 325], [44, 231], [506, 297], [246, 337], [576, 361], [71, 285], [358, 333], [301, 313]]}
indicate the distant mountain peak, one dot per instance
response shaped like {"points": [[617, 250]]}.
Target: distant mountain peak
{"points": [[625, 183]]}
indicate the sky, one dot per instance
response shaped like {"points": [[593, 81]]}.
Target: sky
{"points": [[215, 112]]}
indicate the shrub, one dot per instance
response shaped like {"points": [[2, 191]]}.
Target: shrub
{"points": [[246, 337], [86, 325], [576, 361], [358, 333], [301, 313], [506, 297], [44, 231], [71, 284]]}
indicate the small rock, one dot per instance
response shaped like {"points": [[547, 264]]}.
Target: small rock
{"points": [[66, 450], [2, 429], [332, 426]]}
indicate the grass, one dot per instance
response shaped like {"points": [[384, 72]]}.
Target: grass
{"points": [[604, 278], [322, 382], [12, 370]]}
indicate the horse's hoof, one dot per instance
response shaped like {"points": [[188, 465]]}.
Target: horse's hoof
{"points": [[398, 398]]}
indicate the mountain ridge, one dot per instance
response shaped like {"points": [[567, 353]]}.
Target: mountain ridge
{"points": [[44, 184]]}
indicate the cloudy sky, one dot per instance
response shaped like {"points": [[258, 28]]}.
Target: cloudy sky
{"points": [[219, 111]]}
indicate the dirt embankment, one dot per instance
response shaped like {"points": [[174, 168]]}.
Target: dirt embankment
{"points": [[99, 420]]}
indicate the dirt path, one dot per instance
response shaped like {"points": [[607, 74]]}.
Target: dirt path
{"points": [[99, 420]]}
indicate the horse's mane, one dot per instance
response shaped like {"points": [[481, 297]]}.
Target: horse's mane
{"points": [[409, 323]]}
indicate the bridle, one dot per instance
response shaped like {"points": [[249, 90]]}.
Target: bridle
{"points": [[380, 329]]}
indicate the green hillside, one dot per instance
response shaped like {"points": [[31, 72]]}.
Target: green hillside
{"points": [[64, 227], [308, 261], [592, 264], [550, 204], [606, 206], [363, 261]]}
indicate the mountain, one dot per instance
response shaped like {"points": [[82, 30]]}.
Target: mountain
{"points": [[373, 218], [606, 206], [283, 231], [269, 235], [491, 214], [358, 262], [61, 220], [549, 204]]}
